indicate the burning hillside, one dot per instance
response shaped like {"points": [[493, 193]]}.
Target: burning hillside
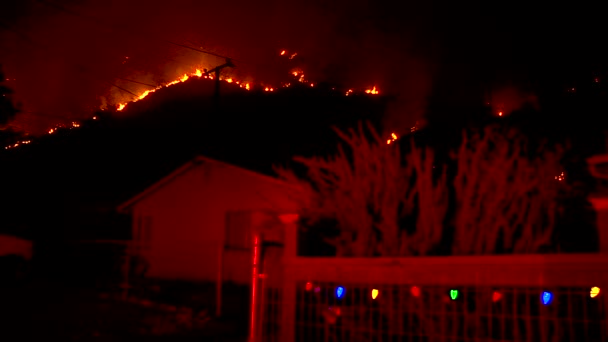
{"points": [[226, 76], [219, 75]]}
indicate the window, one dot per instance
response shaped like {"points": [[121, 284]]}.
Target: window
{"points": [[144, 232], [238, 230]]}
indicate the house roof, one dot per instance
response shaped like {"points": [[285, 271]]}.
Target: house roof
{"points": [[197, 161]]}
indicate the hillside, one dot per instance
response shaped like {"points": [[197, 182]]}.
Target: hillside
{"points": [[67, 184]]}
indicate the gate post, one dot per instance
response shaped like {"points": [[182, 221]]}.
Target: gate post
{"points": [[289, 286]]}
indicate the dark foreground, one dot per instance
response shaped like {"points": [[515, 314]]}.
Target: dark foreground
{"points": [[42, 310]]}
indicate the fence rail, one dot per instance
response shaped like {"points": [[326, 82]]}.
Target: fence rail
{"points": [[456, 298]]}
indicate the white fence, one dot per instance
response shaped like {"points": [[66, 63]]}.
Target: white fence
{"points": [[477, 298]]}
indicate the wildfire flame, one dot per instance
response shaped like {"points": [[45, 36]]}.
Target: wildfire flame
{"points": [[373, 91], [199, 73], [248, 86]]}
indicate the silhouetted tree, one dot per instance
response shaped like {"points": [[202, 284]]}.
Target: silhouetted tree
{"points": [[504, 198], [369, 190]]}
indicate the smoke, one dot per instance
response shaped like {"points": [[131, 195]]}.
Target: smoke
{"points": [[68, 57]]}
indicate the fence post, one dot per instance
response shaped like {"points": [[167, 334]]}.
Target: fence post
{"points": [[289, 287], [127, 270], [254, 289]]}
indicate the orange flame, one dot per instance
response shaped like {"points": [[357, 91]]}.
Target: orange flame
{"points": [[373, 91]]}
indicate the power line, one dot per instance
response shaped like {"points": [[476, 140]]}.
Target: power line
{"points": [[121, 88], [148, 36], [79, 65], [142, 83]]}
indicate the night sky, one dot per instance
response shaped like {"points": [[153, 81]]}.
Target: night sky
{"points": [[62, 58]]}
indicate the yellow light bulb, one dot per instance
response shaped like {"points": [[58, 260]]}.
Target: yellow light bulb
{"points": [[374, 293]]}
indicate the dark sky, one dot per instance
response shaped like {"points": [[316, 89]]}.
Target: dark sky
{"points": [[62, 56]]}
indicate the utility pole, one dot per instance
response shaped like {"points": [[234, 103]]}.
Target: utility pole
{"points": [[216, 71]]}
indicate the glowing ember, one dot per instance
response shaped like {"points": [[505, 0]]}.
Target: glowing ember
{"points": [[500, 113], [293, 55], [283, 53], [229, 80], [393, 137]]}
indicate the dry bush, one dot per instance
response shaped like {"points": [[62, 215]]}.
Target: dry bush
{"points": [[505, 200], [368, 190]]}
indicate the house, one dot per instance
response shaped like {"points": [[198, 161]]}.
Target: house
{"points": [[598, 168], [196, 223]]}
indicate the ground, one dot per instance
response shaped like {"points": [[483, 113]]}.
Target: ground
{"points": [[42, 310]]}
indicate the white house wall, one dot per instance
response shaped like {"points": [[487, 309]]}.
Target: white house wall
{"points": [[188, 218]]}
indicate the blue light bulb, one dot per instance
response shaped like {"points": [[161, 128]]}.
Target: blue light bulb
{"points": [[340, 291], [547, 297]]}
